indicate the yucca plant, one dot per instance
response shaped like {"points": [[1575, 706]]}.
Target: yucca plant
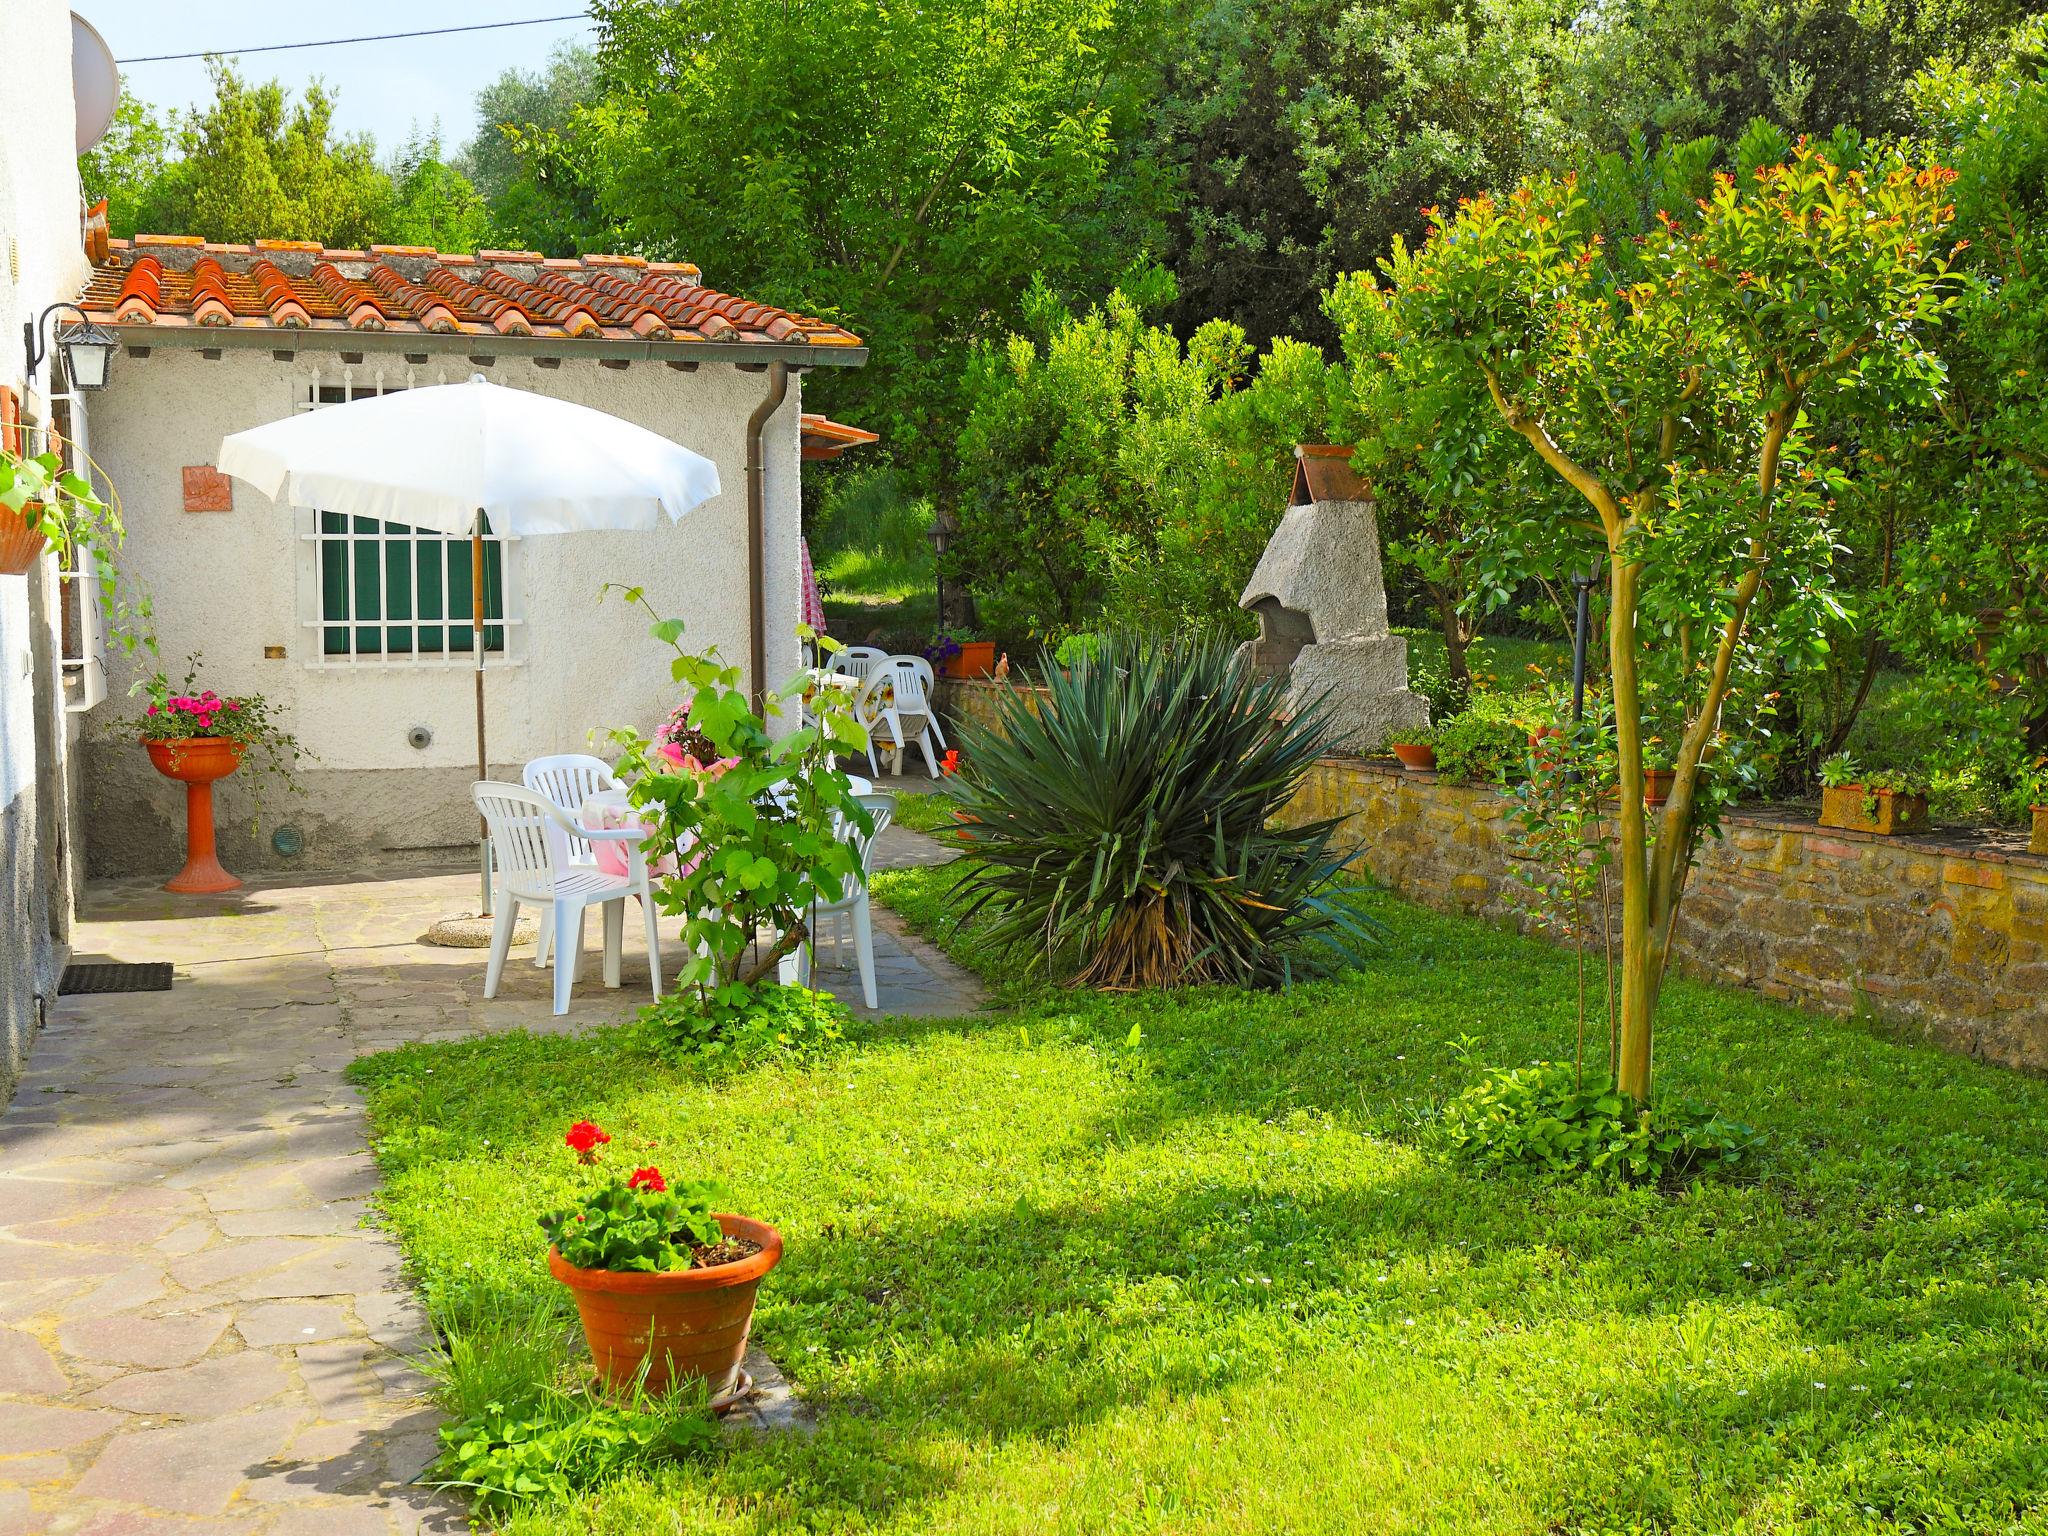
{"points": [[1122, 825]]}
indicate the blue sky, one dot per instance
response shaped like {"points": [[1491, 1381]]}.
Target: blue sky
{"points": [[382, 88]]}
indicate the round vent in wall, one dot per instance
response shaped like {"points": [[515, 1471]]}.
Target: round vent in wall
{"points": [[419, 738], [288, 842]]}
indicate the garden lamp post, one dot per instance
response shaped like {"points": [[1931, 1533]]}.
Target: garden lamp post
{"points": [[87, 348], [1583, 582], [940, 537]]}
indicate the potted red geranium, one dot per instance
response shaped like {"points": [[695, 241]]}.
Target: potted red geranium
{"points": [[663, 1282]]}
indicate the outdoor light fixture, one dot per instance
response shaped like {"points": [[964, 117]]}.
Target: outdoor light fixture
{"points": [[1584, 581], [939, 537], [87, 348]]}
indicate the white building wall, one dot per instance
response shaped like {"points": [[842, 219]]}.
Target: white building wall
{"points": [[41, 261], [231, 584]]}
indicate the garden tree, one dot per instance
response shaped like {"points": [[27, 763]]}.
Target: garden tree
{"points": [[432, 202], [1428, 440], [1975, 604], [537, 201], [1681, 68], [1309, 133], [252, 164], [126, 164], [1106, 471], [1672, 385], [901, 169]]}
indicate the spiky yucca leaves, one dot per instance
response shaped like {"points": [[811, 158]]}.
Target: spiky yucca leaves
{"points": [[1122, 825]]}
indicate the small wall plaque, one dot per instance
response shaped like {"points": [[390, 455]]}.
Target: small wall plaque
{"points": [[208, 490]]}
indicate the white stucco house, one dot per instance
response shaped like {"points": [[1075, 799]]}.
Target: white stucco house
{"points": [[359, 630], [42, 262]]}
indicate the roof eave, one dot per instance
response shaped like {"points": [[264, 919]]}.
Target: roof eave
{"points": [[321, 339]]}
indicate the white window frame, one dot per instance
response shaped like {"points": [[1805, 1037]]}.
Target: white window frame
{"points": [[353, 383]]}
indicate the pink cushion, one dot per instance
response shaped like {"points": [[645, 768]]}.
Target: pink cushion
{"points": [[611, 856]]}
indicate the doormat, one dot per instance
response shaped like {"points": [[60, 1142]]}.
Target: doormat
{"points": [[152, 977]]}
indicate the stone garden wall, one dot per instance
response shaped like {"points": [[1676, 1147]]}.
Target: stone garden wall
{"points": [[1944, 936]]}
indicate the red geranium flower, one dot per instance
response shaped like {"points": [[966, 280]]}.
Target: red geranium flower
{"points": [[649, 1179], [584, 1139]]}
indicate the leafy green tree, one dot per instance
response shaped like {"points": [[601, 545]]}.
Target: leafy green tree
{"points": [[252, 164], [1974, 605], [433, 203], [126, 165], [1673, 386], [903, 170], [1109, 473], [537, 201], [1309, 133]]}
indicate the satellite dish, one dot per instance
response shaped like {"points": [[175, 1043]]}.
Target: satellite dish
{"points": [[95, 82]]}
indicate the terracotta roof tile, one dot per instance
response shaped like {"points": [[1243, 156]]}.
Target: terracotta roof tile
{"points": [[180, 280], [824, 438]]}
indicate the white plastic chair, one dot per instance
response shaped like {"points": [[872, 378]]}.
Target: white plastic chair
{"points": [[857, 661], [568, 779], [852, 905], [895, 710], [530, 838]]}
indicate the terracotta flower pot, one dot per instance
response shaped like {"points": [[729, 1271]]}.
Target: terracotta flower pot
{"points": [[977, 658], [20, 539], [1416, 756], [1657, 784], [195, 762], [683, 1322], [2038, 843], [1845, 806]]}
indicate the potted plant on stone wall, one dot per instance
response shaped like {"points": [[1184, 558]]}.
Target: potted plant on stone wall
{"points": [[663, 1282], [1887, 801], [43, 504], [2034, 785], [956, 656], [1415, 747]]}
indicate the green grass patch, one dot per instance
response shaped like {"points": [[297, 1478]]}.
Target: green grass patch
{"points": [[928, 812], [1044, 1276]]}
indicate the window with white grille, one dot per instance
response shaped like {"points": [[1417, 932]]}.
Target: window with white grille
{"points": [[386, 594]]}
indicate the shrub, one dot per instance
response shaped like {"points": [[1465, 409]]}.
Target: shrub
{"points": [[1124, 831], [1481, 748], [767, 1021], [1538, 1116]]}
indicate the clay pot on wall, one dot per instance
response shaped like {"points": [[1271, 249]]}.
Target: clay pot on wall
{"points": [[21, 539], [1657, 784], [682, 1322], [2038, 843], [1885, 812], [1416, 756]]}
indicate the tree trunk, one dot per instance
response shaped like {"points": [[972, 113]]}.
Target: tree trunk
{"points": [[1638, 961], [1456, 640]]}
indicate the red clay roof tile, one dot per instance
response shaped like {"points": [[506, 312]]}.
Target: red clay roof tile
{"points": [[179, 280]]}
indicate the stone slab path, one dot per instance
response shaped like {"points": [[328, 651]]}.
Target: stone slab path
{"points": [[198, 1336]]}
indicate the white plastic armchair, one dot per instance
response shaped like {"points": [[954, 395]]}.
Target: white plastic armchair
{"points": [[896, 709], [857, 661], [568, 779], [530, 837], [852, 906]]}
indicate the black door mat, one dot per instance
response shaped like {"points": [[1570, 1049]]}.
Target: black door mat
{"points": [[152, 977]]}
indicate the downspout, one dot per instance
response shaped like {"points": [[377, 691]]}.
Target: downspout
{"points": [[778, 391]]}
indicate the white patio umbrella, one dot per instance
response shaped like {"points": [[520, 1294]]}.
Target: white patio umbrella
{"points": [[448, 456]]}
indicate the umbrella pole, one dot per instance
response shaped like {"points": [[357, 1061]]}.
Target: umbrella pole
{"points": [[476, 641]]}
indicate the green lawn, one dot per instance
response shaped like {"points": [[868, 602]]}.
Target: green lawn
{"points": [[1042, 1279]]}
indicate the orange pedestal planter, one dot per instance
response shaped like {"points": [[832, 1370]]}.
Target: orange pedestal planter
{"points": [[683, 1322], [195, 762]]}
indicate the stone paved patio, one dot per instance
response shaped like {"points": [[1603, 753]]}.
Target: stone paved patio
{"points": [[197, 1335]]}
